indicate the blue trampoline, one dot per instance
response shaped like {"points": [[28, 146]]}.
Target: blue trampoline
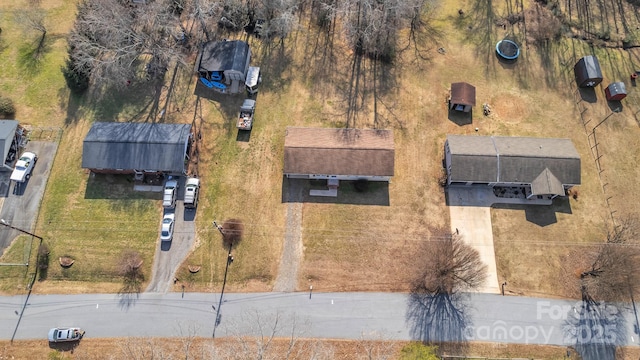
{"points": [[508, 49]]}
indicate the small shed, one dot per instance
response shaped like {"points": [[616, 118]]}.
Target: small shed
{"points": [[463, 97], [616, 91], [587, 71], [223, 65]]}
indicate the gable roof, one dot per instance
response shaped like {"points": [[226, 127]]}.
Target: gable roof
{"points": [[224, 56], [139, 146], [7, 134], [512, 159], [586, 70], [463, 93], [356, 152], [546, 183]]}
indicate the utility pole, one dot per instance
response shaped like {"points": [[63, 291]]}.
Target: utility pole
{"points": [[224, 282], [33, 280]]}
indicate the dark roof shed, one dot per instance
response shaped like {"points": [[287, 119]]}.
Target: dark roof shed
{"points": [[224, 56], [587, 71]]}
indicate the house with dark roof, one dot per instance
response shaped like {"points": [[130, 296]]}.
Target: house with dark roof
{"points": [[542, 167], [339, 154], [127, 148], [222, 66], [9, 143]]}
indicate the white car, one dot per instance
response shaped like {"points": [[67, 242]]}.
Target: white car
{"points": [[170, 194], [166, 232], [65, 334], [24, 166]]}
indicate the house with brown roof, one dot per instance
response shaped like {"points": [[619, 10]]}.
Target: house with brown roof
{"points": [[339, 154], [541, 167]]}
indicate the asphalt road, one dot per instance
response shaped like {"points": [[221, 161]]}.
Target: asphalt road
{"points": [[392, 316], [23, 200]]}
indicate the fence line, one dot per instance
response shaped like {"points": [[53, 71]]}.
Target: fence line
{"points": [[593, 143]]}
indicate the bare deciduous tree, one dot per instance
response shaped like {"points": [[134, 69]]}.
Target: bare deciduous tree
{"points": [[612, 275], [451, 266], [437, 305], [130, 267], [372, 26], [115, 40], [256, 335], [609, 271]]}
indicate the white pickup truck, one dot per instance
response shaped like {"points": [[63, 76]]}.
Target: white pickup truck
{"points": [[191, 190], [24, 167]]}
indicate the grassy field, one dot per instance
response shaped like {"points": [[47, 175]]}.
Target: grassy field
{"points": [[361, 242]]}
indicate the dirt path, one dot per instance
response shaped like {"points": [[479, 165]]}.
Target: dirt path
{"points": [[292, 252]]}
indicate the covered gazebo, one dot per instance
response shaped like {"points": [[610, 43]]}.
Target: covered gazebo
{"points": [[463, 97]]}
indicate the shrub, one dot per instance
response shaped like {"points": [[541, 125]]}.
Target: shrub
{"points": [[77, 79], [7, 109]]}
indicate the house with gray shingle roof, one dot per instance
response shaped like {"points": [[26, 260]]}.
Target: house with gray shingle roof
{"points": [[543, 166], [113, 147]]}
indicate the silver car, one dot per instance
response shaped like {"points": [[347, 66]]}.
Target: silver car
{"points": [[166, 231], [170, 194], [65, 334]]}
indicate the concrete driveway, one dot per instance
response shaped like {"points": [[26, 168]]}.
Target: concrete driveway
{"points": [[22, 201], [170, 255], [470, 212]]}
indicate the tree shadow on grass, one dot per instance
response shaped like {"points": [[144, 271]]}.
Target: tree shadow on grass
{"points": [[482, 30], [32, 54], [439, 318]]}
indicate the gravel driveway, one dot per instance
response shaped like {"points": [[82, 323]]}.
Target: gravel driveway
{"points": [[292, 252], [169, 256], [22, 202]]}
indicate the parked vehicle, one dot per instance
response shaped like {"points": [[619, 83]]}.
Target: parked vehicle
{"points": [[166, 232], [191, 193], [24, 167], [65, 334], [245, 120], [253, 79], [170, 194]]}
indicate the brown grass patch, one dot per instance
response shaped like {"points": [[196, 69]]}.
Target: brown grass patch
{"points": [[305, 348]]}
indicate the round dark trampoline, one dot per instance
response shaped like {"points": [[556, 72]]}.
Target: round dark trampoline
{"points": [[508, 49]]}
